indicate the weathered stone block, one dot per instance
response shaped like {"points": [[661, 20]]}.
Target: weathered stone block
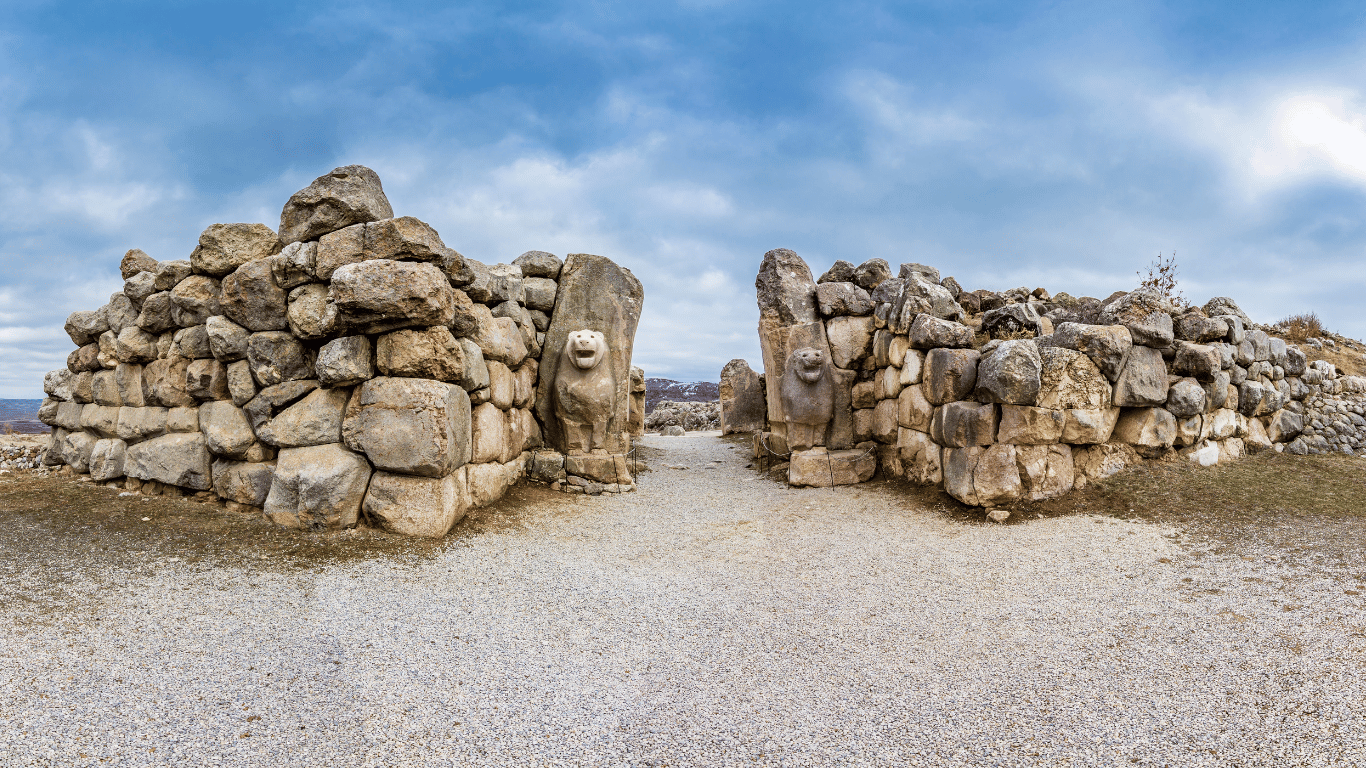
{"points": [[742, 399], [417, 506], [227, 432], [314, 420], [1142, 379], [1150, 430], [381, 295], [106, 459], [964, 423], [1026, 425], [344, 362], [276, 356], [950, 374], [1046, 471], [914, 411], [1089, 426], [851, 340], [1010, 373], [243, 482], [252, 299], [427, 353], [351, 194], [410, 426], [319, 487], [920, 457], [822, 468], [180, 459], [983, 477]]}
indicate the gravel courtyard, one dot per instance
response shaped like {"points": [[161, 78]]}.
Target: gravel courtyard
{"points": [[712, 618]]}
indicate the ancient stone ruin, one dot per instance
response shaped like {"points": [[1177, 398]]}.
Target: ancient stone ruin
{"points": [[1017, 395], [351, 364]]}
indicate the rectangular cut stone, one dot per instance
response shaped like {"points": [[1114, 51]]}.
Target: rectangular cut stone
{"points": [[410, 426], [1026, 425], [820, 468], [964, 423], [417, 506], [319, 487], [180, 459]]}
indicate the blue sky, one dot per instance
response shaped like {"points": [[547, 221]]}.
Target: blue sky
{"points": [[1015, 143]]}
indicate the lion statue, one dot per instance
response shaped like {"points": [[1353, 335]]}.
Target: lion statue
{"points": [[585, 392], [808, 397]]}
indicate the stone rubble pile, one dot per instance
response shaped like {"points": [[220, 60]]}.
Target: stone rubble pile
{"points": [[21, 457], [350, 364], [1020, 394], [688, 416]]}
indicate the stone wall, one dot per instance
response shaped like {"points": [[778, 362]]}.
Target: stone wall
{"points": [[1017, 395], [350, 364]]}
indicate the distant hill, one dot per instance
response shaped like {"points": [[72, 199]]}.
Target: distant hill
{"points": [[689, 392]]}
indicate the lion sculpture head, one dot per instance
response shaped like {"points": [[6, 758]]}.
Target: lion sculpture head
{"points": [[585, 349], [808, 363]]}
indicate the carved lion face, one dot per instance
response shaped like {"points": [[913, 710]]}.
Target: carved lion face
{"points": [[585, 348], [808, 362]]}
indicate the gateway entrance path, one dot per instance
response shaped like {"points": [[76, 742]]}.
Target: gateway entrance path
{"points": [[714, 617]]}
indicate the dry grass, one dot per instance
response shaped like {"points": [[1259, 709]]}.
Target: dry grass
{"points": [[1302, 327]]}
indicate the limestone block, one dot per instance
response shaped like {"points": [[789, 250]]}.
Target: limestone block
{"points": [[1089, 426], [540, 293], [889, 462], [1106, 345], [539, 264], [1070, 379], [488, 482], [602, 469], [427, 353], [1216, 390], [100, 420], [871, 273], [379, 295], [499, 338], [134, 261], [273, 399], [1186, 398], [139, 286], [347, 195], [475, 375], [850, 338], [58, 383], [950, 374], [842, 300], [1142, 379], [920, 297], [1255, 438], [134, 345], [180, 459], [252, 299], [207, 380], [1231, 449], [320, 487], [1026, 425], [912, 363], [885, 424], [86, 326], [132, 389], [170, 273], [1295, 361], [821, 468], [243, 482], [109, 350], [1197, 360], [104, 388], [138, 424], [1145, 313], [196, 299], [86, 358], [1223, 424], [82, 387], [417, 506], [314, 420], [964, 423], [1012, 320], [1283, 426], [225, 247], [182, 419], [410, 426], [983, 477], [77, 449], [106, 459], [1193, 326], [1046, 471], [864, 394], [501, 385], [276, 356], [1256, 398], [191, 343], [48, 411], [887, 384], [227, 340], [1010, 373], [1097, 462], [339, 248], [312, 314], [489, 433], [227, 432], [344, 362], [296, 265], [241, 384], [1150, 430], [930, 332], [68, 415], [785, 288], [405, 238], [920, 457]]}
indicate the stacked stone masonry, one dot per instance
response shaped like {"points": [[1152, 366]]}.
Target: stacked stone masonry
{"points": [[348, 365], [1019, 395]]}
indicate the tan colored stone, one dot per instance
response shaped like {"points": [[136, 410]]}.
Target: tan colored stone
{"points": [[382, 295], [1089, 426], [138, 424], [851, 340], [314, 420], [312, 314], [348, 195], [982, 476], [912, 365], [106, 459], [950, 374], [417, 506], [207, 380], [180, 459], [1026, 425], [320, 487], [887, 383], [1070, 379], [410, 426], [428, 353], [1150, 430], [243, 482], [488, 433], [502, 388], [964, 423], [225, 247], [920, 457], [1097, 462], [1046, 471], [821, 468], [227, 432], [101, 420], [913, 410], [252, 299]]}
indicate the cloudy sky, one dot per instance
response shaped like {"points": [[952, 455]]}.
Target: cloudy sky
{"points": [[1062, 144]]}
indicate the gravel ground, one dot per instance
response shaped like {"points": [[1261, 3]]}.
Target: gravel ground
{"points": [[712, 618]]}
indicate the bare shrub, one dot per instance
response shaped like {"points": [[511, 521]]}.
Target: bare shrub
{"points": [[1162, 278], [1302, 327]]}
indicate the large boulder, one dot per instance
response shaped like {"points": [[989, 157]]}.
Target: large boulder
{"points": [[1046, 471], [345, 361], [920, 457], [320, 487], [930, 332], [1186, 398], [296, 265], [1223, 305], [1089, 426], [225, 247], [312, 314], [277, 356], [1284, 426], [226, 429], [950, 374], [1146, 313], [919, 297], [404, 238], [1149, 430], [1192, 325], [595, 295], [788, 321], [85, 327], [314, 420], [851, 339], [275, 398], [785, 289], [539, 264], [1142, 379], [227, 340], [843, 299], [1012, 321], [914, 411], [243, 482], [417, 506], [251, 298], [1198, 360], [106, 459], [1106, 345], [180, 459], [822, 468], [204, 380], [964, 423], [348, 195], [410, 426], [1069, 379], [872, 273], [983, 476], [1026, 425], [427, 353], [135, 261], [1010, 374], [380, 295], [742, 399], [1097, 462]]}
